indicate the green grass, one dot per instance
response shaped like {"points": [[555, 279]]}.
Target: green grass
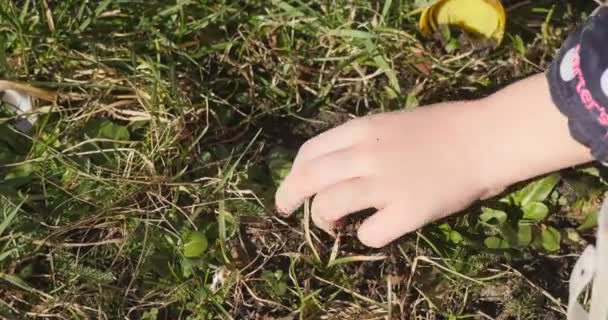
{"points": [[146, 191]]}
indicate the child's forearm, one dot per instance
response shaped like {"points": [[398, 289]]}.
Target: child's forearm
{"points": [[524, 134], [394, 162]]}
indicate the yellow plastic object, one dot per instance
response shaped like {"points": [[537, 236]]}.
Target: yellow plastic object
{"points": [[486, 18]]}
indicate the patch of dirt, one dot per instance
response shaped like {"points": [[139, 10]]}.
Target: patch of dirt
{"points": [[292, 132]]}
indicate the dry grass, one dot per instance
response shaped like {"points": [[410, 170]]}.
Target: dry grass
{"points": [[173, 123]]}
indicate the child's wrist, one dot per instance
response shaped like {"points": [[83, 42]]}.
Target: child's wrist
{"points": [[521, 135], [489, 169], [468, 125]]}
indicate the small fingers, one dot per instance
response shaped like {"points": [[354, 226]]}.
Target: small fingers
{"points": [[389, 224], [320, 173], [321, 223], [338, 138], [346, 197]]}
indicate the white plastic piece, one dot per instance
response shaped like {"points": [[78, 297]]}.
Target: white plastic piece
{"points": [[592, 266], [23, 105], [579, 279], [599, 296]]}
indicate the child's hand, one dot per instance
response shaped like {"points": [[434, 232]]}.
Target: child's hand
{"points": [[421, 166], [413, 167]]}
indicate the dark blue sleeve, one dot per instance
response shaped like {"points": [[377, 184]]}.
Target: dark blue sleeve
{"points": [[578, 81]]}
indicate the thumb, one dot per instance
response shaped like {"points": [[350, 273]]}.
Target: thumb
{"points": [[282, 201], [389, 224]]}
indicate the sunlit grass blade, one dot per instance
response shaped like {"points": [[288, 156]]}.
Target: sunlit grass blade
{"points": [[351, 259], [308, 232], [9, 216]]}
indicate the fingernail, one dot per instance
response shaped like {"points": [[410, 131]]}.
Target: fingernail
{"points": [[281, 200], [326, 226], [282, 212], [340, 223]]}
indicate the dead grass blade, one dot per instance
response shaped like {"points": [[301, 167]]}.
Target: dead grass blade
{"points": [[30, 90]]}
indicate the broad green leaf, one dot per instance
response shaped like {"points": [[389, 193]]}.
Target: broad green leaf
{"points": [[151, 314], [573, 235], [105, 129], [445, 228], [496, 243], [20, 171], [536, 211], [590, 222], [279, 165], [492, 216], [195, 245], [452, 45], [280, 288], [110, 130], [551, 239], [275, 281], [524, 235], [187, 268], [450, 234], [536, 191], [517, 237], [456, 237]]}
